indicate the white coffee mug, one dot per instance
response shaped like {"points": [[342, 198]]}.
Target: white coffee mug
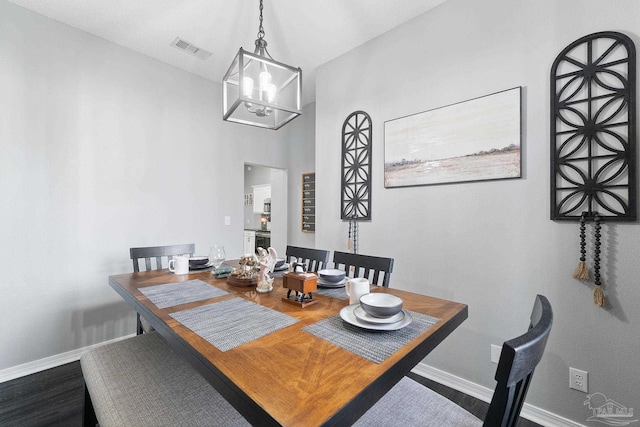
{"points": [[179, 265], [355, 288]]}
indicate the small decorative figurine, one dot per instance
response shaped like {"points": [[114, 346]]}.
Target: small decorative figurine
{"points": [[246, 274], [267, 259], [303, 284], [299, 268]]}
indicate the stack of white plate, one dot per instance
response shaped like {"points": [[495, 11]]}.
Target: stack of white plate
{"points": [[331, 278], [376, 303]]}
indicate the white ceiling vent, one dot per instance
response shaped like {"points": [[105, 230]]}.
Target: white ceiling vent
{"points": [[191, 49]]}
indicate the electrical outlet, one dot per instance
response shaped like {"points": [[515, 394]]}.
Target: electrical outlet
{"points": [[227, 220], [495, 353], [579, 380]]}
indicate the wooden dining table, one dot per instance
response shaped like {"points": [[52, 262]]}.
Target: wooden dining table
{"points": [[290, 377]]}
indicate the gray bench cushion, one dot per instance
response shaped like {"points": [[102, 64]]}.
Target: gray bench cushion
{"points": [[141, 381], [409, 403]]}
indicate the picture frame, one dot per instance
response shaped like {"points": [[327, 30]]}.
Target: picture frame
{"points": [[475, 140]]}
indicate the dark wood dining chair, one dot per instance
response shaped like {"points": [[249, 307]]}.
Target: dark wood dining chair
{"points": [[315, 259], [371, 267], [409, 403], [157, 254]]}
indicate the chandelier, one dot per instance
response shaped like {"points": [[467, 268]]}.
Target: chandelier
{"points": [[260, 91]]}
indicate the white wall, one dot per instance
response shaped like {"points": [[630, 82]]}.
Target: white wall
{"points": [[279, 210], [302, 160], [490, 245], [103, 149]]}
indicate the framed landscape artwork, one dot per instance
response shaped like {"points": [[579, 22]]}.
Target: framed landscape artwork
{"points": [[475, 140]]}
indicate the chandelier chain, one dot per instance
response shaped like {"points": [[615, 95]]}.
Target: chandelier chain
{"points": [[260, 28]]}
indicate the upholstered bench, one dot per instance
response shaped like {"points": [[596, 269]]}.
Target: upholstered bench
{"points": [[141, 381]]}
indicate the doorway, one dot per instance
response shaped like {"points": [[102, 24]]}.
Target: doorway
{"points": [[265, 208]]}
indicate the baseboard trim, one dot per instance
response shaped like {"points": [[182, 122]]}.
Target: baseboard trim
{"points": [[530, 412], [49, 362]]}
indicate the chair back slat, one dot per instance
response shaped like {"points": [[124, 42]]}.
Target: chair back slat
{"points": [[371, 267], [157, 253], [314, 259], [520, 392], [518, 360], [376, 276]]}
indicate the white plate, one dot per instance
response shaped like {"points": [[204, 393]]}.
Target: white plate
{"points": [[348, 316], [363, 315], [327, 284]]}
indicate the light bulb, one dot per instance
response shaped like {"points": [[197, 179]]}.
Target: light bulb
{"points": [[271, 92], [247, 86], [265, 80]]}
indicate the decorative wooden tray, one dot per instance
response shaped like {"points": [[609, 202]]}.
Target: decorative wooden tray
{"points": [[237, 281]]}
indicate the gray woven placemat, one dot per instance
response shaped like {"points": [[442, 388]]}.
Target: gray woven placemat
{"points": [[170, 294], [375, 346], [338, 293], [233, 322]]}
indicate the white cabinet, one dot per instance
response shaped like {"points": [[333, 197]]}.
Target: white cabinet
{"points": [[260, 192], [249, 242]]}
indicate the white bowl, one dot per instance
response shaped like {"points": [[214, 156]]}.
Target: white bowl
{"points": [[381, 305], [331, 275]]}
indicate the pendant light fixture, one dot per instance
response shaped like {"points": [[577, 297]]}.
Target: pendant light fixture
{"points": [[259, 91]]}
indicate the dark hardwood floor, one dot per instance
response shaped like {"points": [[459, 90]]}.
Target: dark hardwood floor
{"points": [[54, 398], [49, 398]]}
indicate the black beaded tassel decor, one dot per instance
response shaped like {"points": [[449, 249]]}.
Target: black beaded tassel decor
{"points": [[352, 243], [598, 294], [355, 236], [582, 271]]}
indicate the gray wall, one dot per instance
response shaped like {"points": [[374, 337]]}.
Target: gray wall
{"points": [[488, 244], [103, 149]]}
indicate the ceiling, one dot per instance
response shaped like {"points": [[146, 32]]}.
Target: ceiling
{"points": [[301, 33]]}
